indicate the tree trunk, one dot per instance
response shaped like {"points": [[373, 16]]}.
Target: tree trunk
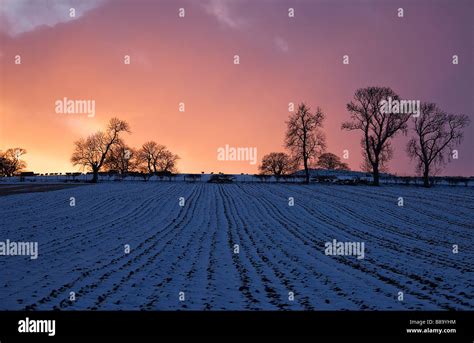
{"points": [[306, 171], [95, 177], [376, 175], [426, 177]]}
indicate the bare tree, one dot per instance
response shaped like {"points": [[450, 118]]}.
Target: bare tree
{"points": [[10, 162], [167, 161], [437, 133], [122, 158], [157, 158], [384, 157], [304, 138], [93, 151], [276, 163], [332, 162], [378, 126], [148, 155], [3, 164]]}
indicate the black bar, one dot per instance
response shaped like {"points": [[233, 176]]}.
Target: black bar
{"points": [[197, 323]]}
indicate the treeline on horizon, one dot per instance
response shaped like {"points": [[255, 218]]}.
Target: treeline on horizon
{"points": [[434, 135]]}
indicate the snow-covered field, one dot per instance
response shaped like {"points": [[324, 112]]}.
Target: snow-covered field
{"points": [[191, 248]]}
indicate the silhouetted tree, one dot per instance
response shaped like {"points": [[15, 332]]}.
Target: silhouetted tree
{"points": [[378, 126], [93, 151], [331, 161], [304, 138], [121, 159], [384, 157], [3, 164], [157, 158], [276, 163], [147, 156], [10, 162], [437, 133], [167, 161]]}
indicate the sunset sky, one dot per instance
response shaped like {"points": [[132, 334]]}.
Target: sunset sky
{"points": [[191, 60]]}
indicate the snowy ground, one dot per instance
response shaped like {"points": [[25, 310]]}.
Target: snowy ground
{"points": [[190, 249]]}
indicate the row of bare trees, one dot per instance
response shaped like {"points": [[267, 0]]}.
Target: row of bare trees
{"points": [[306, 143], [107, 151], [436, 134], [11, 162]]}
